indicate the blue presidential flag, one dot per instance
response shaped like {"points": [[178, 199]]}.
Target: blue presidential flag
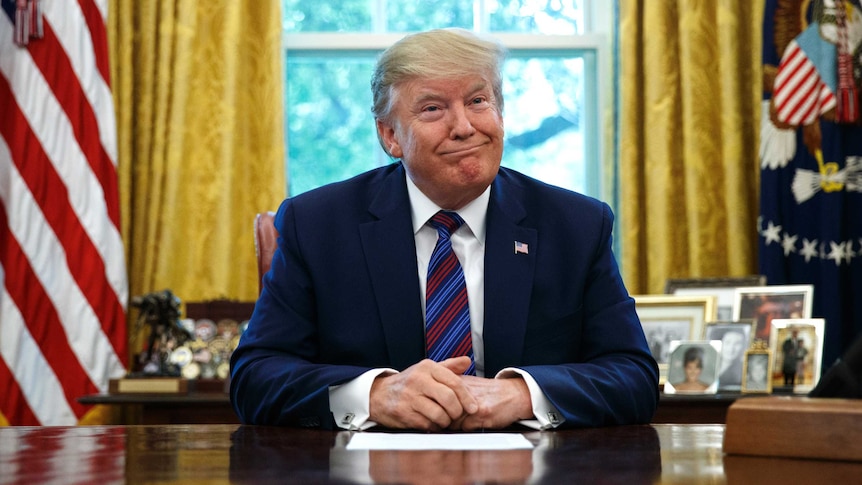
{"points": [[810, 222]]}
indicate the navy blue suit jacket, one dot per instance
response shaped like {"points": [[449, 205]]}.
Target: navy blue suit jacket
{"points": [[343, 297]]}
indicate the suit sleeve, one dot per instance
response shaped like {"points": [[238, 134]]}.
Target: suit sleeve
{"points": [[613, 378], [277, 376]]}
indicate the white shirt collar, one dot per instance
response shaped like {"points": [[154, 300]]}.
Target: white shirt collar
{"points": [[474, 213]]}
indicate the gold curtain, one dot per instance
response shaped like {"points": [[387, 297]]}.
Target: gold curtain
{"points": [[198, 91], [690, 101], [200, 139]]}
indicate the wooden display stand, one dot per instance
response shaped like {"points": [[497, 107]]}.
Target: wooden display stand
{"points": [[795, 427]]}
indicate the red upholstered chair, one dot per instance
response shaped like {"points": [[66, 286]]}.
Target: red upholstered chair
{"points": [[265, 241]]}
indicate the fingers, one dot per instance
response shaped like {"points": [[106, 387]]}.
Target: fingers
{"points": [[427, 395], [456, 383], [452, 393], [502, 402]]}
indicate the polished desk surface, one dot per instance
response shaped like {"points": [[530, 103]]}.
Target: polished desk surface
{"points": [[215, 408], [660, 453]]}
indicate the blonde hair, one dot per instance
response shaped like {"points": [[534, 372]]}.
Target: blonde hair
{"points": [[435, 54]]}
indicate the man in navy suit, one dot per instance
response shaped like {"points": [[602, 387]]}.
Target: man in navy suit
{"points": [[337, 338]]}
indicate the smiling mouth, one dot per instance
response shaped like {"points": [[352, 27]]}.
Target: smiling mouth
{"points": [[462, 151]]}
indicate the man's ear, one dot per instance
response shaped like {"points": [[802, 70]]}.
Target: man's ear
{"points": [[387, 133]]}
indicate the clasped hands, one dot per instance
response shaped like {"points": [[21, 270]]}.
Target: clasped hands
{"points": [[434, 396]]}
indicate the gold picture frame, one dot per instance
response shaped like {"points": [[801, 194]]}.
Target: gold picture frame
{"points": [[723, 288], [762, 304], [806, 370], [666, 318], [757, 371]]}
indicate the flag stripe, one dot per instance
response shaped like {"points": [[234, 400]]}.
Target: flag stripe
{"points": [[96, 28], [67, 89], [37, 101], [800, 95], [802, 104], [29, 375], [44, 325], [62, 262], [14, 406], [56, 127], [84, 57], [43, 251], [48, 188]]}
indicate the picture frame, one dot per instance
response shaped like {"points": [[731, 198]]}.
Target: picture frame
{"points": [[762, 304], [723, 288], [693, 367], [802, 373], [666, 318], [757, 371], [736, 338]]}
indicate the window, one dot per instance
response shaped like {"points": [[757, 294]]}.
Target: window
{"points": [[555, 82]]}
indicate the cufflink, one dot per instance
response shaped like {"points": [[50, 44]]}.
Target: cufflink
{"points": [[348, 418], [553, 418]]}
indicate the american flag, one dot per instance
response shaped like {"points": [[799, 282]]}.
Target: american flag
{"points": [[62, 264], [521, 248], [806, 82]]}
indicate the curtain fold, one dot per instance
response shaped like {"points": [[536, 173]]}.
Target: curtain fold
{"points": [[690, 90], [198, 93]]}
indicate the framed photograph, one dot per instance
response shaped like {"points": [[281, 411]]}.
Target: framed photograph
{"points": [[736, 338], [762, 304], [757, 371], [693, 367], [724, 289], [666, 318], [797, 349]]}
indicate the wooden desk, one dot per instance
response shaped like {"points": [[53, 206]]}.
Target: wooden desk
{"points": [[192, 408], [253, 454], [215, 408]]}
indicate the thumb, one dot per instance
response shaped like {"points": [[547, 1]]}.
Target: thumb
{"points": [[457, 364]]}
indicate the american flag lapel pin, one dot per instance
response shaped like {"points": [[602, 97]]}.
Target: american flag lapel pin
{"points": [[521, 248]]}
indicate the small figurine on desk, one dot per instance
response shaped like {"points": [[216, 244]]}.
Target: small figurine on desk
{"points": [[160, 310]]}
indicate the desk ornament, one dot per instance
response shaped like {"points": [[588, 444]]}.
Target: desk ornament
{"points": [[161, 311], [157, 368]]}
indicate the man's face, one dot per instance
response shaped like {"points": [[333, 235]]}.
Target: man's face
{"points": [[731, 345], [449, 134]]}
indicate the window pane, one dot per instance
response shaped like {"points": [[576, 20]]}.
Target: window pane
{"points": [[330, 130], [326, 15], [417, 15], [544, 130], [558, 17], [331, 133]]}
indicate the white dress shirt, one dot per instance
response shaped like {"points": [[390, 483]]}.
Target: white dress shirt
{"points": [[349, 402]]}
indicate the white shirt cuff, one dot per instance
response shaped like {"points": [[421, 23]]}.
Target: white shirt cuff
{"points": [[547, 416], [349, 402]]}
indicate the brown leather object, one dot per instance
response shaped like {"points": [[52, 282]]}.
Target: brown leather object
{"points": [[795, 427], [265, 241]]}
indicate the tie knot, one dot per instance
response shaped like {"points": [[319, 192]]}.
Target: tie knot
{"points": [[446, 222]]}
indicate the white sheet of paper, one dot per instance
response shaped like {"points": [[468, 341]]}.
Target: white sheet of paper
{"points": [[455, 441]]}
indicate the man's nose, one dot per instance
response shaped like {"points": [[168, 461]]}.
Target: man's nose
{"points": [[460, 125]]}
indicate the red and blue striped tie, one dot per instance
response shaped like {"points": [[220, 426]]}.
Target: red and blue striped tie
{"points": [[447, 315]]}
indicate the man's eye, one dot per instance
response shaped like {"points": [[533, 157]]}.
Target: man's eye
{"points": [[478, 100], [431, 108]]}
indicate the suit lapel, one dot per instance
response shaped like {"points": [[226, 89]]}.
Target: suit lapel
{"points": [[390, 255], [508, 277]]}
